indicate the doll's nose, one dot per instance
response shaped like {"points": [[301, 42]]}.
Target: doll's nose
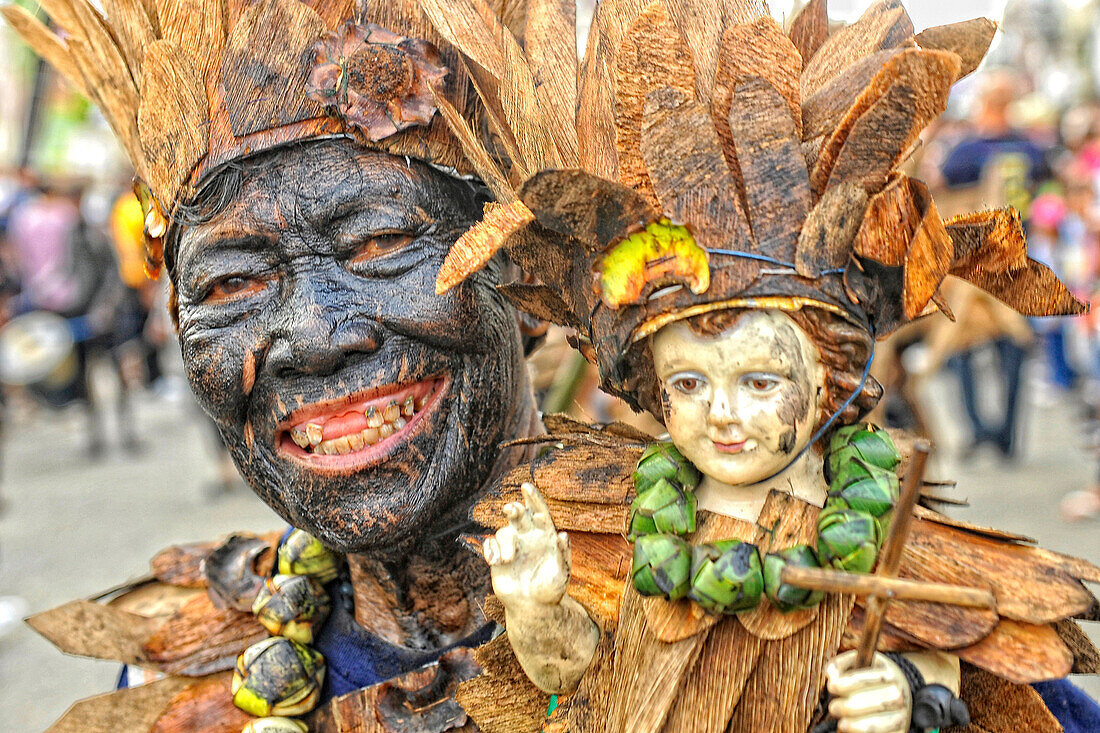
{"points": [[722, 412]]}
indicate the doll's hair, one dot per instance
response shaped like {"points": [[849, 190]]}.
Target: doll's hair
{"points": [[844, 347]]}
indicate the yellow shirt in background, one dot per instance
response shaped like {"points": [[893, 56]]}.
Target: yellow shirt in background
{"points": [[127, 229]]}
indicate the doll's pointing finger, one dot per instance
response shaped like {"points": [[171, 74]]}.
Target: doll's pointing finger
{"points": [[868, 702], [540, 512]]}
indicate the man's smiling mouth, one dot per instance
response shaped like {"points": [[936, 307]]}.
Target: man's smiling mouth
{"points": [[359, 429]]}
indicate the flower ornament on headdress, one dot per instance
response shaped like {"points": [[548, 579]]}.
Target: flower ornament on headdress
{"points": [[774, 156], [376, 80], [188, 87]]}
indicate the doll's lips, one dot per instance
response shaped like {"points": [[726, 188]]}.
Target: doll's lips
{"points": [[729, 447], [359, 430]]}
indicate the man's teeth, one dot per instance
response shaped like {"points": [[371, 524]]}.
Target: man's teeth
{"points": [[381, 424]]}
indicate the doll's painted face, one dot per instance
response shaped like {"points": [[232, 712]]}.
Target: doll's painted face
{"points": [[357, 403], [740, 405]]}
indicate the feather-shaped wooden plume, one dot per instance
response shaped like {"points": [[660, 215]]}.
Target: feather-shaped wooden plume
{"points": [[810, 28], [991, 252], [474, 149], [596, 93], [653, 54], [45, 43], [170, 120], [907, 94], [476, 247], [969, 39], [502, 76], [702, 24], [63, 15], [884, 25], [551, 44]]}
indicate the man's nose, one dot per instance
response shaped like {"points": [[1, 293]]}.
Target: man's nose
{"points": [[318, 341]]}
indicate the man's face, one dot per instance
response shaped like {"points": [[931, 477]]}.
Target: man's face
{"points": [[356, 402]]}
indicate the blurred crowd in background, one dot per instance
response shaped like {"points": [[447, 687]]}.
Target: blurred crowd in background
{"points": [[1023, 131]]}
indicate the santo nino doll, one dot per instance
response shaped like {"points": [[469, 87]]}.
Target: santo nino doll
{"points": [[731, 240]]}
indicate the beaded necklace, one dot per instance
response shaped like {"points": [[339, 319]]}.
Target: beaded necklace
{"points": [[729, 576]]}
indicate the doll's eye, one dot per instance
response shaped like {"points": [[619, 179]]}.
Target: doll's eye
{"points": [[689, 383], [760, 382]]}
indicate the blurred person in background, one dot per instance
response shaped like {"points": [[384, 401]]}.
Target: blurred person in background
{"points": [[993, 164], [65, 266]]}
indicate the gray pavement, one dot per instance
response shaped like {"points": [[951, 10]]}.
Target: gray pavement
{"points": [[71, 527]]}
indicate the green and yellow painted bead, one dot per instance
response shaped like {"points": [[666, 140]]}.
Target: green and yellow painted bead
{"points": [[730, 576]]}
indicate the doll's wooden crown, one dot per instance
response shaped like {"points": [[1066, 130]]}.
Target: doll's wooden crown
{"points": [[716, 161], [188, 85]]}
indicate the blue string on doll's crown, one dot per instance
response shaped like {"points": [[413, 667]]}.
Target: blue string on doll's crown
{"points": [[764, 258]]}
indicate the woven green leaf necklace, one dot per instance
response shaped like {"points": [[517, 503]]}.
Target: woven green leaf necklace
{"points": [[729, 576]]}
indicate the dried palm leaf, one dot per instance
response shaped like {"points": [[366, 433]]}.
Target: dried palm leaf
{"points": [[541, 301], [1021, 653], [702, 24], [500, 73], [132, 708], [477, 245], [133, 30], [45, 44], [884, 25], [552, 48], [969, 39], [810, 28], [653, 54], [823, 112], [61, 11], [197, 27], [474, 149], [170, 119]]}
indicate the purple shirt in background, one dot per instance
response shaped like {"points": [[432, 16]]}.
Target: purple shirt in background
{"points": [[40, 236]]}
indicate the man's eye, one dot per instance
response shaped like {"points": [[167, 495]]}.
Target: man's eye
{"points": [[761, 382], [234, 287], [688, 383], [380, 245]]}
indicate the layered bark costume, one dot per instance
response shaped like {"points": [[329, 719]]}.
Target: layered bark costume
{"points": [[258, 633], [716, 166]]}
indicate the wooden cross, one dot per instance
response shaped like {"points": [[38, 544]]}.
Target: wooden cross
{"points": [[884, 586]]}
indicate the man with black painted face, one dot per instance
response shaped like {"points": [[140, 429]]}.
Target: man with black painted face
{"points": [[301, 189]]}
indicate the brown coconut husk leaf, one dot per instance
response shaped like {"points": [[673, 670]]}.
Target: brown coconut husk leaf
{"points": [[903, 228], [541, 301], [182, 564], [810, 28], [45, 43], [1086, 657], [884, 25], [909, 92], [1021, 653], [205, 706], [702, 24], [502, 76], [130, 709], [757, 49], [270, 36], [502, 698], [596, 106], [969, 39], [991, 253], [999, 706], [826, 240], [595, 211], [822, 113], [480, 243], [552, 48], [197, 27], [63, 15], [684, 162], [200, 638], [170, 119], [89, 629], [776, 184], [653, 54]]}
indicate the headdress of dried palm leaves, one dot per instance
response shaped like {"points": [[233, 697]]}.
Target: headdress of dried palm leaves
{"points": [[715, 161], [189, 85]]}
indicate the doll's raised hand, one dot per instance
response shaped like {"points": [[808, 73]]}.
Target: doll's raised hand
{"points": [[528, 558], [872, 700], [529, 561]]}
